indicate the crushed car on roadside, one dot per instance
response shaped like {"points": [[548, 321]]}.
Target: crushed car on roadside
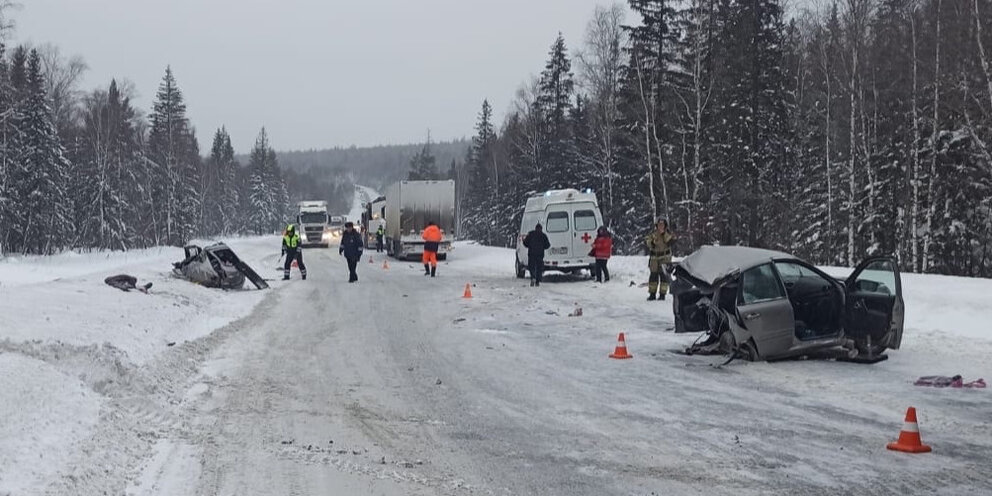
{"points": [[760, 304], [216, 266]]}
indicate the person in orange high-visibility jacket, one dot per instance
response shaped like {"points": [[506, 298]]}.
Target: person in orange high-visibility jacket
{"points": [[432, 241]]}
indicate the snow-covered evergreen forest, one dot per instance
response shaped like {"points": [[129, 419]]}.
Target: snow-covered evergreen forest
{"points": [[861, 128], [89, 170]]}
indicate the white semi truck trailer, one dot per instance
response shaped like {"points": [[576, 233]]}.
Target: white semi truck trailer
{"points": [[410, 205]]}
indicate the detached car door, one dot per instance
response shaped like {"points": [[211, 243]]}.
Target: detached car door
{"points": [[874, 305], [765, 310]]}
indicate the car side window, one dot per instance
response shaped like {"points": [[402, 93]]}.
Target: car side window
{"points": [[760, 284], [557, 222], [793, 271], [878, 277]]}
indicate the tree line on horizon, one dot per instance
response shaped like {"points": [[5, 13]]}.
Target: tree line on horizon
{"points": [[859, 129], [91, 171]]}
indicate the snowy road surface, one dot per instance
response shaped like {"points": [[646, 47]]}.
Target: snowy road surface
{"points": [[398, 386]]}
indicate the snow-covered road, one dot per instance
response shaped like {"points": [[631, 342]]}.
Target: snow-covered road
{"points": [[397, 385]]}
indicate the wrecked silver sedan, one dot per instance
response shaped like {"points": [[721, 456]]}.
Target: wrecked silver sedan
{"points": [[763, 305], [216, 266]]}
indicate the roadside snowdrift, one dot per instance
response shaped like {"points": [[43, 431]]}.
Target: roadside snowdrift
{"points": [[66, 338]]}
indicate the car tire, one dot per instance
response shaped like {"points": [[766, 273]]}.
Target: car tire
{"points": [[746, 351], [521, 270]]}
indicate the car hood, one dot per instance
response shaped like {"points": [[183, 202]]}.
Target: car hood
{"points": [[714, 264]]}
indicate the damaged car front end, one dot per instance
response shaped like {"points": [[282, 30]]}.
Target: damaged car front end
{"points": [[764, 305]]}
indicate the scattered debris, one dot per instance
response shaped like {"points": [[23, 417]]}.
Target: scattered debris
{"points": [[460, 319], [288, 442], [126, 283], [382, 461], [170, 343], [438, 382], [941, 381], [576, 313]]}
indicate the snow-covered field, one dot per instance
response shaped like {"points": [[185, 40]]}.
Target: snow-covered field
{"points": [[397, 385]]}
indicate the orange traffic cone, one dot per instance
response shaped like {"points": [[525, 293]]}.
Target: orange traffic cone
{"points": [[385, 265], [909, 437], [621, 350], [295, 264], [468, 291]]}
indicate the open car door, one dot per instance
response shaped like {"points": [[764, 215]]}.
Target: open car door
{"points": [[874, 309]]}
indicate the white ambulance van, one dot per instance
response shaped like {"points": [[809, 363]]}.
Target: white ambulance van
{"points": [[570, 219]]}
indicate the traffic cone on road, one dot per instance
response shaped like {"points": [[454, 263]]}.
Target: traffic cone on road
{"points": [[295, 264], [468, 291], [385, 265], [909, 437], [621, 350]]}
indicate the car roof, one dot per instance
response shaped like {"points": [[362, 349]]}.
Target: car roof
{"points": [[710, 264]]}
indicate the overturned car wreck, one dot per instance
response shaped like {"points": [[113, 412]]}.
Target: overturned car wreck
{"points": [[763, 305], [216, 266]]}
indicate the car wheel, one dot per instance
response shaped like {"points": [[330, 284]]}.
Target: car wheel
{"points": [[521, 270], [728, 346]]}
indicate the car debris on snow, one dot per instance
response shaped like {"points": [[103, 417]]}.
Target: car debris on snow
{"points": [[126, 283]]}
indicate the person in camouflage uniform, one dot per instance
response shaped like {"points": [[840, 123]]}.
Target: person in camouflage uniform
{"points": [[659, 244]]}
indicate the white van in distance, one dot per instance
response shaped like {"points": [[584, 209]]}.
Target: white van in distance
{"points": [[570, 218]]}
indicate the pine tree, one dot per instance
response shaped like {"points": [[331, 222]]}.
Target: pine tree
{"points": [[108, 165], [41, 172], [267, 195], [220, 196], [175, 177], [423, 166], [482, 181], [754, 158], [556, 88]]}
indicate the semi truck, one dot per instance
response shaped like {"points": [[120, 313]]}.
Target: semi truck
{"points": [[410, 205], [373, 217], [313, 223]]}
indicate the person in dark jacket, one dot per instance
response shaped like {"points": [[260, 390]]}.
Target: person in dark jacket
{"points": [[293, 251], [536, 243], [351, 247], [602, 249]]}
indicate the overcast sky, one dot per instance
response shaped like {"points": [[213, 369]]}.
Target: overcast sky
{"points": [[316, 73]]}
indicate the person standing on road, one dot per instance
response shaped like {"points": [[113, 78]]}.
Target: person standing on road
{"points": [[351, 248], [379, 235], [659, 244], [602, 249], [536, 243], [293, 251], [432, 242]]}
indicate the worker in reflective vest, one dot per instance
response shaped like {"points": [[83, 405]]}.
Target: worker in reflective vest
{"points": [[432, 242], [291, 248]]}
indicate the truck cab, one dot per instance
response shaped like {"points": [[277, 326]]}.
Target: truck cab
{"points": [[313, 223], [570, 218]]}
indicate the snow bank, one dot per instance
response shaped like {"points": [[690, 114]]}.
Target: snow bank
{"points": [[43, 411], [63, 299]]}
